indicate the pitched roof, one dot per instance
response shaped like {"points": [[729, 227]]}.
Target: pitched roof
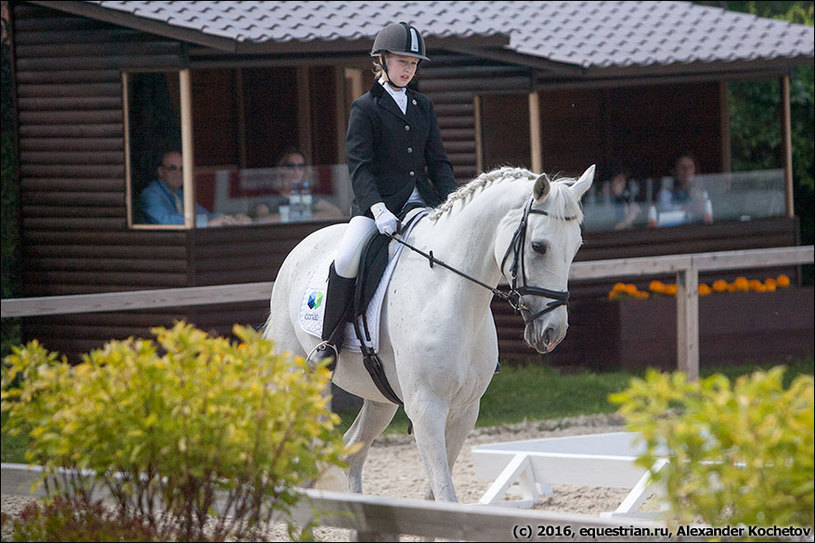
{"points": [[590, 37]]}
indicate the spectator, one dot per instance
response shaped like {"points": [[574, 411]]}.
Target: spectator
{"points": [[162, 201], [681, 193], [293, 170], [619, 194]]}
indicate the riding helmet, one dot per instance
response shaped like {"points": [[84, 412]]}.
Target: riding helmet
{"points": [[399, 39]]}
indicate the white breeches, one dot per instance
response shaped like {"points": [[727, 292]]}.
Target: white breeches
{"points": [[346, 261]]}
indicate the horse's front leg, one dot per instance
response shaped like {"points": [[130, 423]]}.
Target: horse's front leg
{"points": [[371, 421], [429, 417]]}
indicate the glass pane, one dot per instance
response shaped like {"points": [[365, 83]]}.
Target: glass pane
{"points": [[740, 196], [294, 192], [154, 128]]}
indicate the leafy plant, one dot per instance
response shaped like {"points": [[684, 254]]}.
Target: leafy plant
{"points": [[207, 427], [739, 453]]}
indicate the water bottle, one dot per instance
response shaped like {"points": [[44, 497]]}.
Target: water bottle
{"points": [[708, 209], [652, 215], [306, 201], [296, 203]]}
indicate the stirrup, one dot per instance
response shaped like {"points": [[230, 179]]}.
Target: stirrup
{"points": [[321, 352]]}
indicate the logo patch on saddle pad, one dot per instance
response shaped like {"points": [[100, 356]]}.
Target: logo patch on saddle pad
{"points": [[315, 299]]}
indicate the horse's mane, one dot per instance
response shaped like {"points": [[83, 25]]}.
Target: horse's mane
{"points": [[560, 201]]}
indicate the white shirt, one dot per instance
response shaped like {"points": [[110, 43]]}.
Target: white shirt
{"points": [[399, 96]]}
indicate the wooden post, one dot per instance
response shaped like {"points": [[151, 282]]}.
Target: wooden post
{"points": [[786, 137], [536, 148], [479, 141], [687, 321], [304, 111], [724, 116], [185, 89]]}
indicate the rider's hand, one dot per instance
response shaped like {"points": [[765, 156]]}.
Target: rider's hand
{"points": [[386, 222]]}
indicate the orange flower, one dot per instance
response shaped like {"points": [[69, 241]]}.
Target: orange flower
{"points": [[670, 290], [631, 289], [756, 285], [641, 294], [614, 295], [741, 284], [704, 290], [657, 286], [720, 286], [783, 281], [770, 284], [618, 287]]}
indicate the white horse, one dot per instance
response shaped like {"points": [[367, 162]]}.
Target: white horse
{"points": [[438, 344]]}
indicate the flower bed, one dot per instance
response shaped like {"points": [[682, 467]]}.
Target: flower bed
{"points": [[735, 327]]}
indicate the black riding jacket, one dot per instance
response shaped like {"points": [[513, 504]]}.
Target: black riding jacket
{"points": [[389, 153]]}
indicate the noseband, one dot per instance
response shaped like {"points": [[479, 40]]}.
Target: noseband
{"points": [[515, 296], [516, 247]]}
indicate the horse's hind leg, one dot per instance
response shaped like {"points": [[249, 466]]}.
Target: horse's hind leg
{"points": [[371, 421]]}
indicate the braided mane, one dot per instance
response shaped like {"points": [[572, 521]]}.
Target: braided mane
{"points": [[560, 199]]}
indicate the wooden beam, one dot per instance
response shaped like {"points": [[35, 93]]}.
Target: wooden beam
{"points": [[724, 116], [786, 137], [479, 139], [536, 148], [185, 89]]}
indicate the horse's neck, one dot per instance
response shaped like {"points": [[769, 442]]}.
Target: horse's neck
{"points": [[468, 232]]}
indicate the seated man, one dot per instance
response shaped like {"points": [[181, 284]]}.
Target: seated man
{"points": [[161, 202]]}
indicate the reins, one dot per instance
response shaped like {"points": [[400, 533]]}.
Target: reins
{"points": [[515, 295]]}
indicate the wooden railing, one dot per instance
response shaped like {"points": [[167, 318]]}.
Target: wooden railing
{"points": [[376, 517], [686, 267]]}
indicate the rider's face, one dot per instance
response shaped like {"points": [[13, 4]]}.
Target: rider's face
{"points": [[401, 69]]}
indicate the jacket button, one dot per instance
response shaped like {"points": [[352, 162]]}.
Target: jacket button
{"points": [[407, 128], [412, 173], [414, 102], [410, 150]]}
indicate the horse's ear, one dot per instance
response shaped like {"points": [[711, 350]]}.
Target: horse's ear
{"points": [[583, 184], [542, 187]]}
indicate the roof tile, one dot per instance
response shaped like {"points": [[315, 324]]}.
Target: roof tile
{"points": [[589, 34]]}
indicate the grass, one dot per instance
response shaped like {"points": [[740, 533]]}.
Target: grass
{"points": [[531, 392], [521, 393]]}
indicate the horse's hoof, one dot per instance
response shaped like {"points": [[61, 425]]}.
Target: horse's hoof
{"points": [[497, 368]]}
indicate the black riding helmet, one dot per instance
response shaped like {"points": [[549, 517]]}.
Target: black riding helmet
{"points": [[399, 39]]}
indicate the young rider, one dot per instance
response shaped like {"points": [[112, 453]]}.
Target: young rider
{"points": [[395, 156]]}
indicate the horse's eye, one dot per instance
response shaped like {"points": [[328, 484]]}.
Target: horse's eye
{"points": [[539, 247]]}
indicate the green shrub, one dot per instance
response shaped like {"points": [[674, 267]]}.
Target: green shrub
{"points": [[172, 431], [736, 454], [71, 519]]}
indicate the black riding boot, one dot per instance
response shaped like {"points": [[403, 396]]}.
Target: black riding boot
{"points": [[338, 298]]}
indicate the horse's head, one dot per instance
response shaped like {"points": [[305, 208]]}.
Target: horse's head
{"points": [[539, 255]]}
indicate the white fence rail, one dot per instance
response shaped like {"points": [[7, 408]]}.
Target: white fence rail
{"points": [[686, 267], [376, 516]]}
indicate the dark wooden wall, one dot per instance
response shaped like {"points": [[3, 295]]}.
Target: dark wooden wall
{"points": [[73, 190]]}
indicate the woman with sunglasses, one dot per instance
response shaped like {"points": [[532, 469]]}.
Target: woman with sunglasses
{"points": [[292, 171], [395, 157]]}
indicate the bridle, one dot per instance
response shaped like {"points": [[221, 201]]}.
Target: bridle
{"points": [[515, 295]]}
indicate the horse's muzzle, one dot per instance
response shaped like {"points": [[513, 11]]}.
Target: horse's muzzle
{"points": [[544, 338]]}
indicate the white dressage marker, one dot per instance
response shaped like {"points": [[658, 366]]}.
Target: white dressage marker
{"points": [[597, 460]]}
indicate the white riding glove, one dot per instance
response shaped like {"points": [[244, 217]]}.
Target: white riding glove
{"points": [[386, 222]]}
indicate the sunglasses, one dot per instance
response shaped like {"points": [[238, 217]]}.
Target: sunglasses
{"points": [[298, 165], [173, 168]]}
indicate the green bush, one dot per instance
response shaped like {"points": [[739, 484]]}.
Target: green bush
{"points": [[736, 454], [172, 431]]}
